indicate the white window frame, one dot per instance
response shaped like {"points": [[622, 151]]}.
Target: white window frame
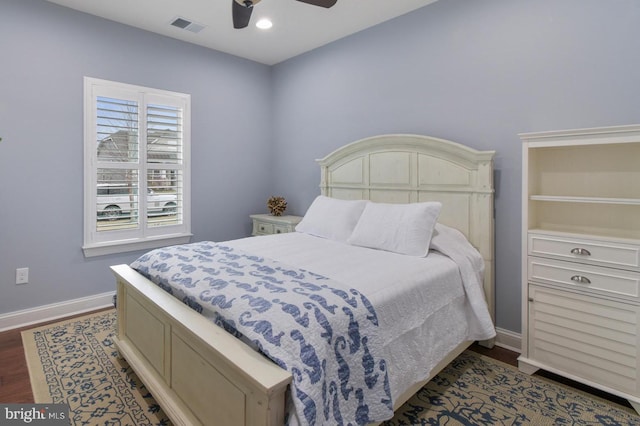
{"points": [[142, 237]]}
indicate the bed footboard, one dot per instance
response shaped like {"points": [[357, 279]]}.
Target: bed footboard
{"points": [[199, 374]]}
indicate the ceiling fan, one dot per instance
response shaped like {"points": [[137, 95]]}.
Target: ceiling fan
{"points": [[242, 9]]}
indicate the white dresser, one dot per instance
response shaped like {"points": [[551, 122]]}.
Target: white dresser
{"points": [[581, 257], [266, 224]]}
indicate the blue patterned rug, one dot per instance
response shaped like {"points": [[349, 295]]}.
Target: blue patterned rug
{"points": [[478, 390], [75, 362]]}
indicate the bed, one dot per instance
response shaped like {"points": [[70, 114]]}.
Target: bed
{"points": [[201, 374]]}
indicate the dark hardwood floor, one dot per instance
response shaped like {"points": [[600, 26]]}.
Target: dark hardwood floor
{"points": [[501, 354], [16, 388], [14, 375]]}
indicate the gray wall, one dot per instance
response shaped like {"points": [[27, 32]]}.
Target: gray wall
{"points": [[475, 72], [45, 50]]}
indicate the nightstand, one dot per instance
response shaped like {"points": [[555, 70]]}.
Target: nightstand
{"points": [[266, 224]]}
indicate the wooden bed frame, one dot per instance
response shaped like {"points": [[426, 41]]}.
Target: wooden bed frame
{"points": [[199, 374]]}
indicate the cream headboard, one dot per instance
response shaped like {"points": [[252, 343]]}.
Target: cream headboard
{"points": [[412, 168]]}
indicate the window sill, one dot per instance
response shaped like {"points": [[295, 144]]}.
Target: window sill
{"points": [[123, 246]]}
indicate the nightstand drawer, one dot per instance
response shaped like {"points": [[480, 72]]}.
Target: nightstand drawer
{"points": [[585, 251], [613, 282], [281, 229], [263, 228]]}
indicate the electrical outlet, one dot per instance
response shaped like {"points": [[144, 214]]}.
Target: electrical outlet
{"points": [[22, 275]]}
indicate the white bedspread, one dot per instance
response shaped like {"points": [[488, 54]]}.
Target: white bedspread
{"points": [[426, 306]]}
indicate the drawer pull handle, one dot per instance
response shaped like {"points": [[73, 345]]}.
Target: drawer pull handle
{"points": [[581, 251], [580, 279]]}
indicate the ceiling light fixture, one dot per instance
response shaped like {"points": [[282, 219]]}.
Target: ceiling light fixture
{"points": [[264, 24]]}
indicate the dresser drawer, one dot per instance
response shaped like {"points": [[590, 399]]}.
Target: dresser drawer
{"points": [[597, 252], [613, 282]]}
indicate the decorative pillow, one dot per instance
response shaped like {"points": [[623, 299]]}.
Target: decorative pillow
{"points": [[398, 228], [331, 218]]}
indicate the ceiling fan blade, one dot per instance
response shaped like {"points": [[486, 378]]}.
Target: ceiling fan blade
{"points": [[241, 14], [321, 3]]}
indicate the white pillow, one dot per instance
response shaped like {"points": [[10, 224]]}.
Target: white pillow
{"points": [[331, 218], [398, 228]]}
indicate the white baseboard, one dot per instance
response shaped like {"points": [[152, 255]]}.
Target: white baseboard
{"points": [[509, 340], [54, 311]]}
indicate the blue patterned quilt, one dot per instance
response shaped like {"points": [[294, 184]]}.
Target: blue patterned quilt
{"points": [[322, 332]]}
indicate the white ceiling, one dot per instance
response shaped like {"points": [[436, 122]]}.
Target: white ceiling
{"points": [[297, 27]]}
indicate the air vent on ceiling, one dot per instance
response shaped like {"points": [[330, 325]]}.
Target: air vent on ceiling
{"points": [[185, 24]]}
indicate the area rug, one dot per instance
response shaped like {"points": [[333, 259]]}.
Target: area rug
{"points": [[75, 362], [478, 390]]}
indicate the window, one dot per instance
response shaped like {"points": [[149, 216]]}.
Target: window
{"points": [[136, 185]]}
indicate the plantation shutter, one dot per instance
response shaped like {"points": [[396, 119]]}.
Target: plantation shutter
{"points": [[164, 155], [117, 180]]}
